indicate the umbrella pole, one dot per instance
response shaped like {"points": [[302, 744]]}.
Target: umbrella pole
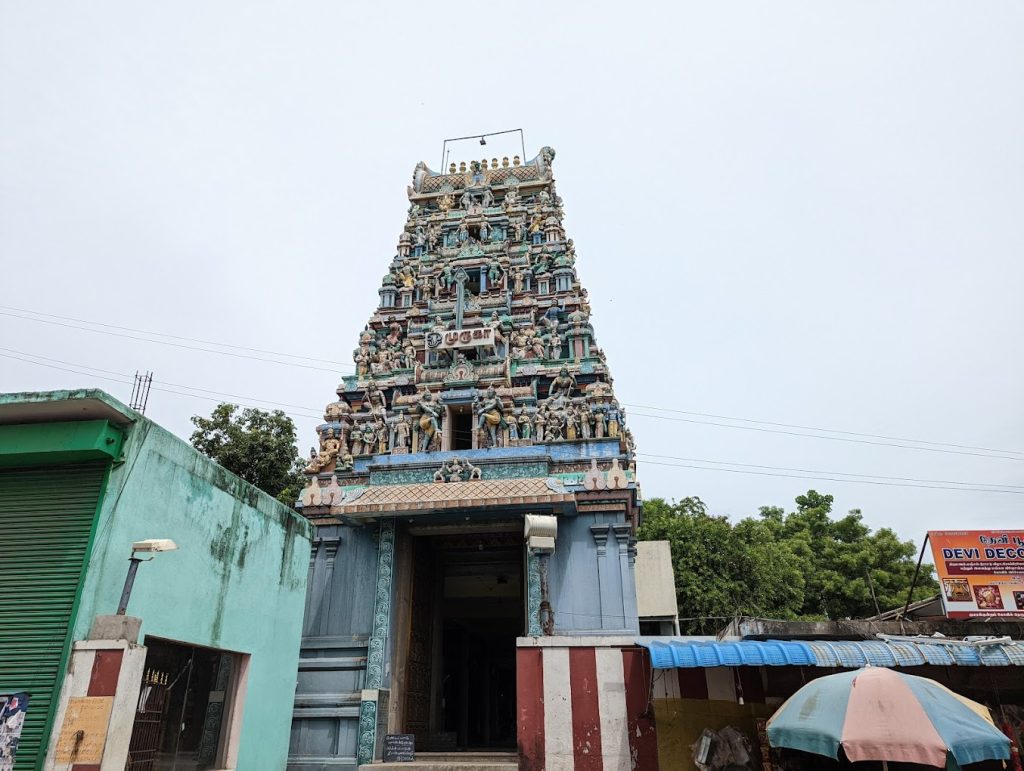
{"points": [[885, 765]]}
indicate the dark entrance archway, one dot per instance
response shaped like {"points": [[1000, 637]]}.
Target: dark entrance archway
{"points": [[466, 610]]}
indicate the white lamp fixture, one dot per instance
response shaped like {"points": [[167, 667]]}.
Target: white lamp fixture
{"points": [[151, 545], [155, 544]]}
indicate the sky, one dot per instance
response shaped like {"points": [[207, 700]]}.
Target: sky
{"points": [[800, 213]]}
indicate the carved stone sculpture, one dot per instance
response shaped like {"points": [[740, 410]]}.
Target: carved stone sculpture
{"points": [[491, 416], [456, 470], [561, 387], [324, 460], [429, 424], [402, 428]]}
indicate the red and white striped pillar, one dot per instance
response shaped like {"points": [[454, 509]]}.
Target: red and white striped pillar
{"points": [[584, 705]]}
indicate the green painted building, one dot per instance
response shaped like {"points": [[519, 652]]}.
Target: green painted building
{"points": [[83, 478]]}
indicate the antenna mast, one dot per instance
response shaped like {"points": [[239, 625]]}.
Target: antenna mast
{"points": [[140, 392]]}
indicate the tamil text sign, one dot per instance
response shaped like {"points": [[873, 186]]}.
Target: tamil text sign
{"points": [[981, 572], [460, 338]]}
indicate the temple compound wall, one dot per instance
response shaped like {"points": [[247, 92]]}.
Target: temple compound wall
{"points": [[473, 490]]}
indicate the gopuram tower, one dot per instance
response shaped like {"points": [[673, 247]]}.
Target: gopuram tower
{"points": [[474, 487]]}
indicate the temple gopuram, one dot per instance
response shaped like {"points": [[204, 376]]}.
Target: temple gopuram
{"points": [[474, 497]]}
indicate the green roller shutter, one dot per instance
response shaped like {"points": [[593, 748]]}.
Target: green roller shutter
{"points": [[46, 521]]}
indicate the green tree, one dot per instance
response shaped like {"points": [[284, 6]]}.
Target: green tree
{"points": [[721, 570], [256, 445], [804, 564], [852, 572]]}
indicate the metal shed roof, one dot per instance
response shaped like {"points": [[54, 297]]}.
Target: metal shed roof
{"points": [[667, 653]]}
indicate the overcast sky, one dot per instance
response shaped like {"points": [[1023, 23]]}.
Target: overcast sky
{"points": [[802, 213]]}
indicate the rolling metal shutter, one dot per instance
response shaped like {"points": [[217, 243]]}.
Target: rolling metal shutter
{"points": [[46, 521]]}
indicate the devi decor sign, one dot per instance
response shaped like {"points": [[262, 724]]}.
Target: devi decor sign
{"points": [[981, 571]]}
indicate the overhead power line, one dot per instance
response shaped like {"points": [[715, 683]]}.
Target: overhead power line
{"points": [[177, 337], [762, 426], [820, 471], [829, 438], [836, 479], [123, 378], [689, 463], [172, 344], [817, 428]]}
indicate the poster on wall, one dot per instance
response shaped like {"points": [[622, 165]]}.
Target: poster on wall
{"points": [[12, 717], [980, 572]]}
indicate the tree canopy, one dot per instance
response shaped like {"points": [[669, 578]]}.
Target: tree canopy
{"points": [[801, 564], [256, 445]]}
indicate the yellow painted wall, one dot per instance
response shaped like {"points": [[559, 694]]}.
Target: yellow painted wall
{"points": [[681, 721]]}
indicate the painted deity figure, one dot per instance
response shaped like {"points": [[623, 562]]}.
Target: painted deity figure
{"points": [[347, 462], [361, 356], [493, 273], [525, 426], [491, 413], [572, 423], [511, 198], [534, 344], [614, 419], [517, 281], [555, 341], [561, 387], [374, 400], [357, 440], [402, 432], [599, 424], [429, 423], [369, 438], [394, 338], [518, 224], [584, 419], [383, 435], [433, 236], [537, 228], [466, 200], [322, 460], [513, 429], [539, 423]]}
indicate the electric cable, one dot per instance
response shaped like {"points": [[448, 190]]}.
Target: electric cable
{"points": [[847, 436]]}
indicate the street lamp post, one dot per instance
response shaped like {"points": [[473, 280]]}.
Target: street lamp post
{"points": [[151, 545]]}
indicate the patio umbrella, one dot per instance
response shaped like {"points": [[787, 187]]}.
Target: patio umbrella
{"points": [[878, 714]]}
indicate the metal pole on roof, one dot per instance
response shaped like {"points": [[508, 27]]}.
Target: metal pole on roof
{"points": [[917, 572], [444, 146]]}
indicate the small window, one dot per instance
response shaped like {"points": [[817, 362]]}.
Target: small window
{"points": [[461, 418]]}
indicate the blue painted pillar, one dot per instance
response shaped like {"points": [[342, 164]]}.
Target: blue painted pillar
{"points": [[368, 717]]}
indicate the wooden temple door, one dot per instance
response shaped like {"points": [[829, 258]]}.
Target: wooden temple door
{"points": [[420, 660]]}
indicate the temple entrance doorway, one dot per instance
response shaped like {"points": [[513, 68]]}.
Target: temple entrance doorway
{"points": [[465, 612]]}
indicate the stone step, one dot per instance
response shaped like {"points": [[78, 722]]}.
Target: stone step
{"points": [[456, 761]]}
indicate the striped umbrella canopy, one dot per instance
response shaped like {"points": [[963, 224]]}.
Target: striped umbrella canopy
{"points": [[879, 714]]}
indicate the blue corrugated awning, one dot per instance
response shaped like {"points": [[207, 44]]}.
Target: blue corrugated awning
{"points": [[853, 654], [673, 654]]}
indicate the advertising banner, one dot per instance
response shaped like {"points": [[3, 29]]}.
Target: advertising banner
{"points": [[981, 572], [12, 717]]}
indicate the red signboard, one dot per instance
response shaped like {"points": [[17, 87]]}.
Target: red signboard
{"points": [[981, 572]]}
